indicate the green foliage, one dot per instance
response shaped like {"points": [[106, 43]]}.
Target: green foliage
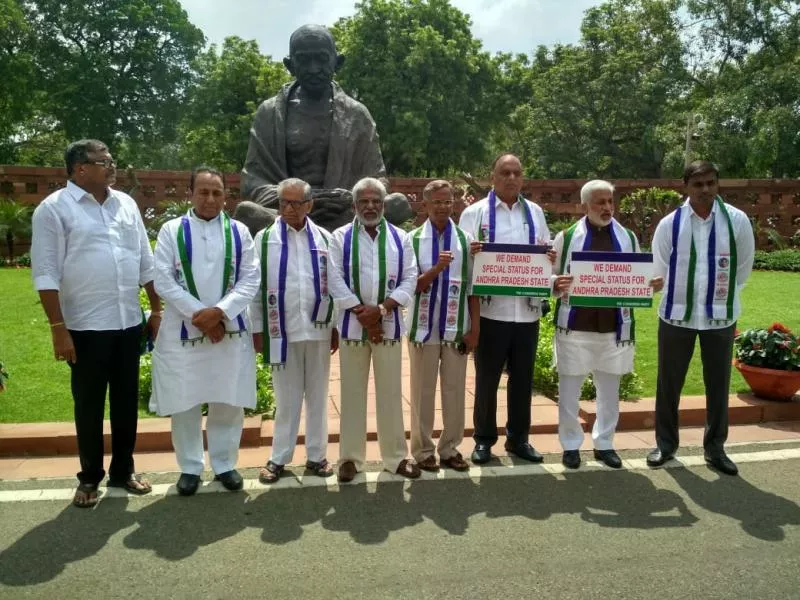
{"points": [[167, 210], [115, 70], [417, 67], [231, 83], [645, 207], [778, 260], [773, 348], [3, 376], [545, 375], [23, 260], [15, 222]]}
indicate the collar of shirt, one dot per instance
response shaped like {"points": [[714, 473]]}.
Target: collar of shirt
{"points": [[694, 214], [194, 217], [78, 193]]}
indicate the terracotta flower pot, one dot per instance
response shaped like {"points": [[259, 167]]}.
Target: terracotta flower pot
{"points": [[772, 384]]}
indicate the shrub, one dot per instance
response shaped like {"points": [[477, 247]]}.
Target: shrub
{"points": [[23, 260], [645, 207], [773, 348], [545, 375], [778, 260]]}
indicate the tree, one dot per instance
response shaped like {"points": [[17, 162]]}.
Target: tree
{"points": [[425, 79], [16, 67], [597, 106], [114, 69], [231, 83], [15, 222], [747, 82]]}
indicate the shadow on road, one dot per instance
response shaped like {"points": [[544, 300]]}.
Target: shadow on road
{"points": [[73, 535], [761, 514]]}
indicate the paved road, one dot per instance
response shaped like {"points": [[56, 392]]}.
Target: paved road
{"points": [[682, 532]]}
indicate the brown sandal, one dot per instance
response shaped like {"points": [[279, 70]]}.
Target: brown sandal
{"points": [[321, 469], [135, 484], [408, 469], [429, 464], [85, 495], [455, 462], [270, 473]]}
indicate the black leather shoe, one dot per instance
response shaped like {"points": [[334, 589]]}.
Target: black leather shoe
{"points": [[722, 463], [524, 451], [571, 459], [187, 484], [231, 480], [481, 454], [656, 458], [609, 458]]}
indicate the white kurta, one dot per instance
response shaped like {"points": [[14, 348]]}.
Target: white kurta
{"points": [[185, 375]]}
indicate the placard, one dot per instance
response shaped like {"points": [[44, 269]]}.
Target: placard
{"points": [[611, 279], [512, 270]]}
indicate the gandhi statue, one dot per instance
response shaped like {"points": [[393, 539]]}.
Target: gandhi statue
{"points": [[312, 130]]}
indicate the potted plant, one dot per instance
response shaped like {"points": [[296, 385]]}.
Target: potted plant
{"points": [[769, 361]]}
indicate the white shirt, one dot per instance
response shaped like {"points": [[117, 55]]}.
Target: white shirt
{"points": [[95, 255], [701, 230], [344, 298], [511, 227], [300, 293], [208, 263]]}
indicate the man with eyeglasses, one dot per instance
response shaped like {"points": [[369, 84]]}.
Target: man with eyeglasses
{"points": [[373, 274], [90, 254], [443, 324], [294, 328]]}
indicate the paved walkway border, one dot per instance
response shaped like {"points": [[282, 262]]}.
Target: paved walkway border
{"points": [[475, 473]]}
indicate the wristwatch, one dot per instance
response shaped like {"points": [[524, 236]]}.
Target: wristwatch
{"points": [[383, 310]]}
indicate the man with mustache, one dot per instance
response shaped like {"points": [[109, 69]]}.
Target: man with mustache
{"points": [[372, 274], [704, 249], [509, 326], [592, 340]]}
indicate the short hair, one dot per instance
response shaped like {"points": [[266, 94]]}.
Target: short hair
{"points": [[595, 185], [369, 183], [435, 185], [501, 156], [699, 167], [291, 183], [205, 169], [315, 30], [78, 153]]}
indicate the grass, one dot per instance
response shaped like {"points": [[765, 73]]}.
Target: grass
{"points": [[39, 386]]}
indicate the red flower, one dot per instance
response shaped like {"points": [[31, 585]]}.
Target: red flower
{"points": [[778, 327]]}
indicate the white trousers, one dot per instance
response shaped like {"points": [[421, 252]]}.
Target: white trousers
{"points": [[355, 360], [569, 429], [308, 367], [428, 363], [223, 430]]}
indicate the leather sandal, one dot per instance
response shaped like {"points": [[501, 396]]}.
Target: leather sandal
{"points": [[455, 462], [321, 469], [85, 495], [270, 473], [429, 464], [408, 469]]}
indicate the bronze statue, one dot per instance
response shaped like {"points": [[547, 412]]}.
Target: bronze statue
{"points": [[312, 130]]}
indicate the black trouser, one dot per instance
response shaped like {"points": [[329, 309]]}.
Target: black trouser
{"points": [[502, 343], [675, 349], [107, 360]]}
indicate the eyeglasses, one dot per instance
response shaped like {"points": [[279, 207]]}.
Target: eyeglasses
{"points": [[107, 163], [295, 204], [442, 202]]}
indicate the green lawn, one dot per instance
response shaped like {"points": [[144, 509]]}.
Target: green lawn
{"points": [[39, 386]]}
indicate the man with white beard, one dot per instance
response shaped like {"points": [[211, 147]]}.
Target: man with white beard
{"points": [[373, 273], [588, 340]]}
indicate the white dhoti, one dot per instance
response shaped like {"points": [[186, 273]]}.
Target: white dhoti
{"points": [[386, 364], [305, 375], [428, 363], [579, 353], [223, 430]]}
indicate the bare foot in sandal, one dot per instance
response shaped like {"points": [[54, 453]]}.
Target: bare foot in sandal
{"points": [[85, 495], [270, 473]]}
